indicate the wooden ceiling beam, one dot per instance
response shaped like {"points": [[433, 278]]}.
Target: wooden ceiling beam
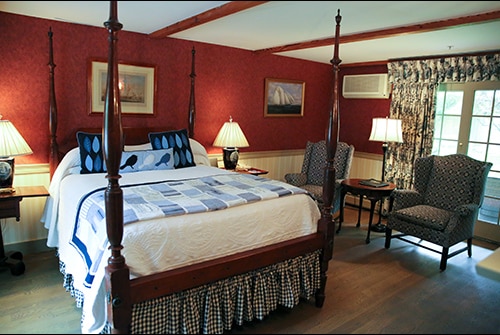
{"points": [[207, 16], [390, 32]]}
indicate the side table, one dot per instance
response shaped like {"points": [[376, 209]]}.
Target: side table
{"points": [[9, 207], [374, 194], [250, 170]]}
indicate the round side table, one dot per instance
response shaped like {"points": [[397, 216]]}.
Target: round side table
{"points": [[374, 194]]}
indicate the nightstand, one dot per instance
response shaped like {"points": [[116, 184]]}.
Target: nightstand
{"points": [[9, 208]]}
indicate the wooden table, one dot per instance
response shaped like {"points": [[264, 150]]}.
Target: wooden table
{"points": [[9, 207], [374, 194], [250, 170]]}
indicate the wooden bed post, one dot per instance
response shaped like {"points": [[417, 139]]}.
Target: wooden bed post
{"points": [[54, 148], [192, 106], [117, 275], [326, 225]]}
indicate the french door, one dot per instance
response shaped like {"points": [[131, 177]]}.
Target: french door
{"points": [[467, 121]]}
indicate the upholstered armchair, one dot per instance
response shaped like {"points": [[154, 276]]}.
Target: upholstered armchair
{"points": [[443, 206], [313, 168]]}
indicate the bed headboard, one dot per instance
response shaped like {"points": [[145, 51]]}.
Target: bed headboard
{"points": [[131, 135]]}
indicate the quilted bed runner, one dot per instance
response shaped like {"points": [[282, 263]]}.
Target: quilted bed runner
{"points": [[167, 198]]}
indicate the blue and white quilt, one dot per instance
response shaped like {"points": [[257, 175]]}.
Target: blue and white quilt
{"points": [[167, 198]]}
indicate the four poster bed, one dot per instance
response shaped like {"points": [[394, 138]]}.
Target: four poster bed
{"points": [[241, 246]]}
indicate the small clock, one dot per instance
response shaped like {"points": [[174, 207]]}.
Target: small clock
{"points": [[6, 173]]}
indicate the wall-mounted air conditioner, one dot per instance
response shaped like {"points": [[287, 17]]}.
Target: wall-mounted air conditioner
{"points": [[366, 86]]}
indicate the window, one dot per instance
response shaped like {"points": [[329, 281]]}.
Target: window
{"points": [[468, 121]]}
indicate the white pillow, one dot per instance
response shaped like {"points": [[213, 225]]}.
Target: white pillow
{"points": [[199, 153], [138, 147]]}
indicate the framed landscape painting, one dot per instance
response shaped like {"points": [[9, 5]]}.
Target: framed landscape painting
{"points": [[137, 84], [284, 98]]}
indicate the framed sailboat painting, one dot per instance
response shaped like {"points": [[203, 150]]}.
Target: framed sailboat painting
{"points": [[137, 85], [284, 98]]}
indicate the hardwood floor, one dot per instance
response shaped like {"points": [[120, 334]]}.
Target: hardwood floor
{"points": [[369, 290]]}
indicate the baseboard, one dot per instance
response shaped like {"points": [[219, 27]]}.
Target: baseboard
{"points": [[30, 247]]}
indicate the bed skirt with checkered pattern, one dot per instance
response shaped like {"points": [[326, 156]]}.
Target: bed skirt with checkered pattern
{"points": [[217, 307]]}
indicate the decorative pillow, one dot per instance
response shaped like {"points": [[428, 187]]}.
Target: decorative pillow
{"points": [[179, 141], [91, 156], [143, 160]]}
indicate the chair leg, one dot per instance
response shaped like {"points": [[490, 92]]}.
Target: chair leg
{"points": [[444, 259], [469, 247], [388, 236]]}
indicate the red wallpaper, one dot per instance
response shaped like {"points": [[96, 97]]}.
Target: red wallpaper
{"points": [[229, 82]]}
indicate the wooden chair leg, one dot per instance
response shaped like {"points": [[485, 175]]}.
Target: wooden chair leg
{"points": [[469, 247], [388, 236], [444, 259]]}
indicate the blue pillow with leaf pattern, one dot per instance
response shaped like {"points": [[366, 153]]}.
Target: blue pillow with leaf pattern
{"points": [[91, 155], [178, 140]]}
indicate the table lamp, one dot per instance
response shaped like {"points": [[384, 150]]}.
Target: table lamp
{"points": [[385, 130], [230, 137], [11, 144]]}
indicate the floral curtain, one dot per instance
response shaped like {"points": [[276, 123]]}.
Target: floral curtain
{"points": [[413, 92]]}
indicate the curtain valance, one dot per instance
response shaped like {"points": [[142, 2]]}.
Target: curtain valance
{"points": [[447, 69]]}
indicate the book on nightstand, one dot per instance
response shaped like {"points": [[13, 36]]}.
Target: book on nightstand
{"points": [[373, 183]]}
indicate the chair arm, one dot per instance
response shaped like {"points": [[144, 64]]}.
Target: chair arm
{"points": [[405, 198], [467, 209], [296, 179], [464, 216]]}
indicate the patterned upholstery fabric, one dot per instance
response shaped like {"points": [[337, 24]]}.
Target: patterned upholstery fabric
{"points": [[313, 168], [443, 206], [316, 162]]}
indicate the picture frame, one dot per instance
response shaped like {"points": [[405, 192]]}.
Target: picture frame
{"points": [[137, 84], [284, 98]]}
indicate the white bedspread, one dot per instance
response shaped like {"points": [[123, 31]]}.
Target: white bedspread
{"points": [[161, 244]]}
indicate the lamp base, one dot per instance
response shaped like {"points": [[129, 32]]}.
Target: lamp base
{"points": [[230, 157], [6, 173]]}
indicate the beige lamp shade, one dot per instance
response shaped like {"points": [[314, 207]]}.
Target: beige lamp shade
{"points": [[11, 142], [231, 136], [386, 130]]}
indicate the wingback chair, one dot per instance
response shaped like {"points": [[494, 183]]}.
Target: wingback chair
{"points": [[313, 168], [443, 206]]}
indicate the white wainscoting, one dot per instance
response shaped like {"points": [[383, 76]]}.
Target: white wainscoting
{"points": [[278, 163], [29, 228]]}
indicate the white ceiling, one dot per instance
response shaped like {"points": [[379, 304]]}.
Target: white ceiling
{"points": [[281, 23]]}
